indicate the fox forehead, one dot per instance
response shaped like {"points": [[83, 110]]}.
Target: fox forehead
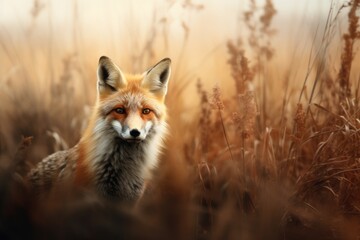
{"points": [[132, 97]]}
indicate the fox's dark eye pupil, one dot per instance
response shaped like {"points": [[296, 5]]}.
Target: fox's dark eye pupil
{"points": [[120, 110], [146, 111]]}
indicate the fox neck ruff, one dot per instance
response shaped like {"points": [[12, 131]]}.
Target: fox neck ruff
{"points": [[119, 167], [118, 171]]}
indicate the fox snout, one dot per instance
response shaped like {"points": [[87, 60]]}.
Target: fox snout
{"points": [[134, 128], [135, 133]]}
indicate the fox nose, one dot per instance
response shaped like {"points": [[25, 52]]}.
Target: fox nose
{"points": [[135, 133]]}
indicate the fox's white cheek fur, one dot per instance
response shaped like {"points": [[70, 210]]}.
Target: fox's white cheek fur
{"points": [[117, 126], [126, 133], [148, 127]]}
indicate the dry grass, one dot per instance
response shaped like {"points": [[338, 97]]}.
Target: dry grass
{"points": [[258, 163]]}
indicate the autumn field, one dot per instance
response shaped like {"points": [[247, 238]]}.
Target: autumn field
{"points": [[264, 116]]}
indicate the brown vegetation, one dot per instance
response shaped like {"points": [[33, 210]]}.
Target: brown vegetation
{"points": [[245, 165]]}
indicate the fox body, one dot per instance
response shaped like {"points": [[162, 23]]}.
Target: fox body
{"points": [[121, 144]]}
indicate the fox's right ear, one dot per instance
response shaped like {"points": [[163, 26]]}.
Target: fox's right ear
{"points": [[110, 78], [157, 78]]}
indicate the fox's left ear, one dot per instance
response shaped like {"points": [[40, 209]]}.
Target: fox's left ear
{"points": [[156, 79]]}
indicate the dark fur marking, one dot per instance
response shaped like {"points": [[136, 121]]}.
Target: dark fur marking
{"points": [[104, 73], [118, 170], [104, 76], [164, 75], [111, 87]]}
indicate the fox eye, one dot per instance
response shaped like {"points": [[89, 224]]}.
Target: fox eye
{"points": [[120, 110], [146, 111]]}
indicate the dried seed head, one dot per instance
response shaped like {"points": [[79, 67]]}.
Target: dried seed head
{"points": [[216, 100], [300, 120]]}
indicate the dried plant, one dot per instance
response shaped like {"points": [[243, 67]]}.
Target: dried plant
{"points": [[241, 72], [347, 55], [247, 119], [231, 170], [260, 29], [205, 119], [300, 122]]}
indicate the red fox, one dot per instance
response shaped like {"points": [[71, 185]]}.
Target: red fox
{"points": [[124, 137]]}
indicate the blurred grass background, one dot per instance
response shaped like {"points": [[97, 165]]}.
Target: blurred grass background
{"points": [[263, 104]]}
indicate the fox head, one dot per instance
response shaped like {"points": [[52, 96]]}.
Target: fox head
{"points": [[132, 105]]}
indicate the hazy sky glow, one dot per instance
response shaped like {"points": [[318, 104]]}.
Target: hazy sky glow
{"points": [[17, 12], [124, 25]]}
